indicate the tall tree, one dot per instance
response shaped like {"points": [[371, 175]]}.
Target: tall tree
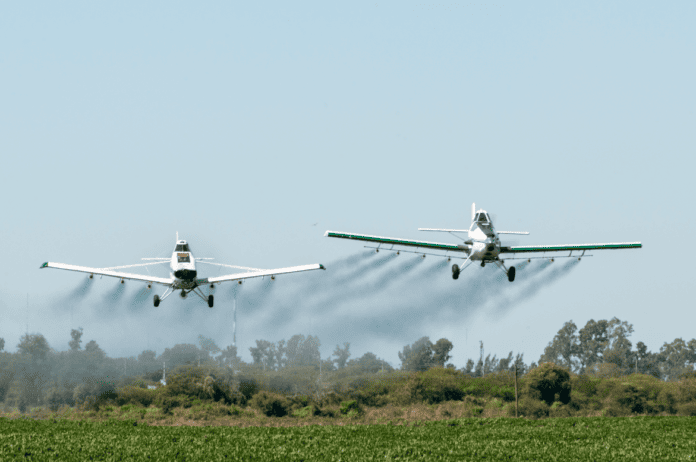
{"points": [[34, 345], [342, 355], [618, 349], [441, 351], [563, 348], [646, 361], [228, 357], [2, 343], [301, 351], [264, 354], [208, 345], [675, 358], [418, 356], [76, 335], [592, 342]]}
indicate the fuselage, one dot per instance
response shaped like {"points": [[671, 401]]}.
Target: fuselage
{"points": [[483, 240], [183, 266]]}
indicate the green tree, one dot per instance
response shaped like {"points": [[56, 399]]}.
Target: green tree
{"points": [[301, 351], [34, 345], [441, 351], [228, 357], [209, 346], [563, 348], [618, 349], [76, 335], [370, 363], [342, 355], [2, 343], [549, 383], [469, 368], [593, 339], [264, 354], [675, 358], [418, 356]]}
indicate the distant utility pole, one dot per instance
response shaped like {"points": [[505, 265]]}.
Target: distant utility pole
{"points": [[515, 389], [483, 369]]}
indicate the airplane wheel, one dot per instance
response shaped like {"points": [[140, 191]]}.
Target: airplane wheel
{"points": [[157, 301], [210, 301], [511, 274], [455, 271]]}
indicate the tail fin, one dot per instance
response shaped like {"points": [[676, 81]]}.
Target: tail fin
{"points": [[473, 210]]}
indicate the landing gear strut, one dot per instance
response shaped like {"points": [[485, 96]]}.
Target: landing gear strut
{"points": [[455, 271], [156, 300]]}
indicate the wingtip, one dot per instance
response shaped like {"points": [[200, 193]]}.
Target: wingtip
{"points": [[326, 234], [321, 266], [45, 265]]}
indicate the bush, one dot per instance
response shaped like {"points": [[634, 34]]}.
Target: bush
{"points": [[533, 408], [435, 386], [135, 395], [632, 398], [167, 403], [350, 408], [271, 404], [549, 383], [307, 411], [688, 409], [248, 387]]}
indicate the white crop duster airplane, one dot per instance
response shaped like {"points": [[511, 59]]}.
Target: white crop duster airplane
{"points": [[483, 244], [183, 275]]}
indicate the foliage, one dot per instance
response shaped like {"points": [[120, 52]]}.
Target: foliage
{"points": [[271, 404], [549, 383]]}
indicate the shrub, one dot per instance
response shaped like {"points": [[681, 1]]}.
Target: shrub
{"points": [[248, 387], [350, 408], [307, 411], [533, 408], [271, 404], [167, 402], [135, 395], [435, 386], [688, 409], [632, 398], [549, 383]]}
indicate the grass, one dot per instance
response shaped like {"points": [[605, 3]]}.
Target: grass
{"points": [[588, 438]]}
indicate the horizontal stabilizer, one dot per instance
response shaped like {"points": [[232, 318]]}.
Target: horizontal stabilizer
{"points": [[513, 232]]}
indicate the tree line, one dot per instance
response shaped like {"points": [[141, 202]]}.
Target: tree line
{"points": [[36, 373]]}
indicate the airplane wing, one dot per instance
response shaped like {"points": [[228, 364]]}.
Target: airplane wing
{"points": [[570, 247], [106, 272], [394, 241], [256, 274]]}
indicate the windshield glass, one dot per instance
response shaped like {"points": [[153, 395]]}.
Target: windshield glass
{"points": [[182, 248], [482, 217]]}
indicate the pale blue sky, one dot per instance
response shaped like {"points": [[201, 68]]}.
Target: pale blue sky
{"points": [[240, 125]]}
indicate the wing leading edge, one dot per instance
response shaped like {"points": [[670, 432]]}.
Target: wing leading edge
{"points": [[102, 272], [395, 241], [570, 247]]}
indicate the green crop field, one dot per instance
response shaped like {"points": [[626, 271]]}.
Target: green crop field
{"points": [[633, 438]]}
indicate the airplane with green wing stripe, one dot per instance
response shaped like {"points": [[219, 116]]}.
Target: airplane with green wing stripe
{"points": [[481, 245]]}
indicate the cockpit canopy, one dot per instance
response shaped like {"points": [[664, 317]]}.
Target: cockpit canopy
{"points": [[482, 217], [182, 246]]}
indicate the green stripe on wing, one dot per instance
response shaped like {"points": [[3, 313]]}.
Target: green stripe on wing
{"points": [[559, 248], [393, 241]]}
